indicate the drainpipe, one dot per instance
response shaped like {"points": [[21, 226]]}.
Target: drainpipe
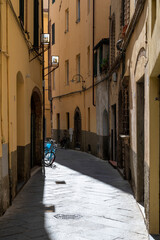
{"points": [[9, 127], [43, 82], [109, 108], [93, 53]]}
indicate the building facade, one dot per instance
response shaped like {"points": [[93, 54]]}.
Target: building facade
{"points": [[20, 95], [80, 31], [48, 111], [105, 93], [134, 101]]}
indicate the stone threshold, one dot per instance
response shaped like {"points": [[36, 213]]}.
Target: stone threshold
{"points": [[113, 163]]}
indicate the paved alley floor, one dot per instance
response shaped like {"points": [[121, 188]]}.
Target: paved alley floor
{"points": [[82, 198]]}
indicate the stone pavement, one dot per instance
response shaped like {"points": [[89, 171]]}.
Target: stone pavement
{"points": [[82, 198]]}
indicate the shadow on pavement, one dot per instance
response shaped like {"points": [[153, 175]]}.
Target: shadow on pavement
{"points": [[91, 166], [155, 237], [25, 218]]}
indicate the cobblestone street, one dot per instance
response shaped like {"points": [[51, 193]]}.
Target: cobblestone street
{"points": [[81, 198]]}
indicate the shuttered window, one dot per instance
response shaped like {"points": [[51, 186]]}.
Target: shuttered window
{"points": [[36, 23], [95, 64], [67, 71], [53, 1], [21, 11], [125, 13], [113, 39], [78, 10], [100, 58], [53, 33]]}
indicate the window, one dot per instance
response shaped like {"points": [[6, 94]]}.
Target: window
{"points": [[95, 64], [66, 20], [113, 39], [68, 122], [21, 11], [88, 59], [88, 6], [53, 82], [67, 72], [125, 15], [53, 1], [78, 65], [78, 11], [126, 12], [53, 33], [154, 7], [100, 58], [88, 119], [36, 23]]}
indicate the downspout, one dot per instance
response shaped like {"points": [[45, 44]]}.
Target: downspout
{"points": [[109, 109], [49, 57], [43, 83], [9, 127], [93, 54]]}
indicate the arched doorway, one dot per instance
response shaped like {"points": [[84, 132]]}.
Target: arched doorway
{"points": [[36, 127], [105, 135], [77, 128]]}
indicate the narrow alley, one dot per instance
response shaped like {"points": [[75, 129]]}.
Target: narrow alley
{"points": [[80, 198]]}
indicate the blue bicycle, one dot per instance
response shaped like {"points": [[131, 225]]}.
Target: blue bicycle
{"points": [[49, 153]]}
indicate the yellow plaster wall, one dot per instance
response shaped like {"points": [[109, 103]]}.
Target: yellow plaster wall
{"points": [[17, 60], [67, 46], [47, 103], [154, 154]]}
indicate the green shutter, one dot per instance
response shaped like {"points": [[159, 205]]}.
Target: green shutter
{"points": [[53, 1]]}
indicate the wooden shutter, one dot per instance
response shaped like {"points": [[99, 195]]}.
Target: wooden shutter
{"points": [[53, 33], [36, 23], [21, 11]]}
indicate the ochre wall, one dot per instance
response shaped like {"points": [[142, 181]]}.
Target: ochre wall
{"points": [[67, 46]]}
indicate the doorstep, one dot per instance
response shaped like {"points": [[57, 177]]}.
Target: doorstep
{"points": [[113, 163]]}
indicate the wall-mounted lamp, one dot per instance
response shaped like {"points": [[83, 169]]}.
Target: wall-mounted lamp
{"points": [[77, 78], [118, 45], [45, 39]]}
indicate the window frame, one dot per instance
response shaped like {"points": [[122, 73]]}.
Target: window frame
{"points": [[78, 11], [53, 33], [67, 72], [78, 65], [67, 20]]}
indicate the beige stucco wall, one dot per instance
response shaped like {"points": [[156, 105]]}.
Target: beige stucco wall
{"points": [[154, 154]]}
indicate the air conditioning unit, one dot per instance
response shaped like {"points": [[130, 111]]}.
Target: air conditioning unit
{"points": [[55, 61], [45, 39]]}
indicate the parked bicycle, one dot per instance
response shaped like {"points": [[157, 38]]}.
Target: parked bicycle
{"points": [[50, 148]]}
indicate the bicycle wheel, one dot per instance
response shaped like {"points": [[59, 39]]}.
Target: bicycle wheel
{"points": [[49, 159]]}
